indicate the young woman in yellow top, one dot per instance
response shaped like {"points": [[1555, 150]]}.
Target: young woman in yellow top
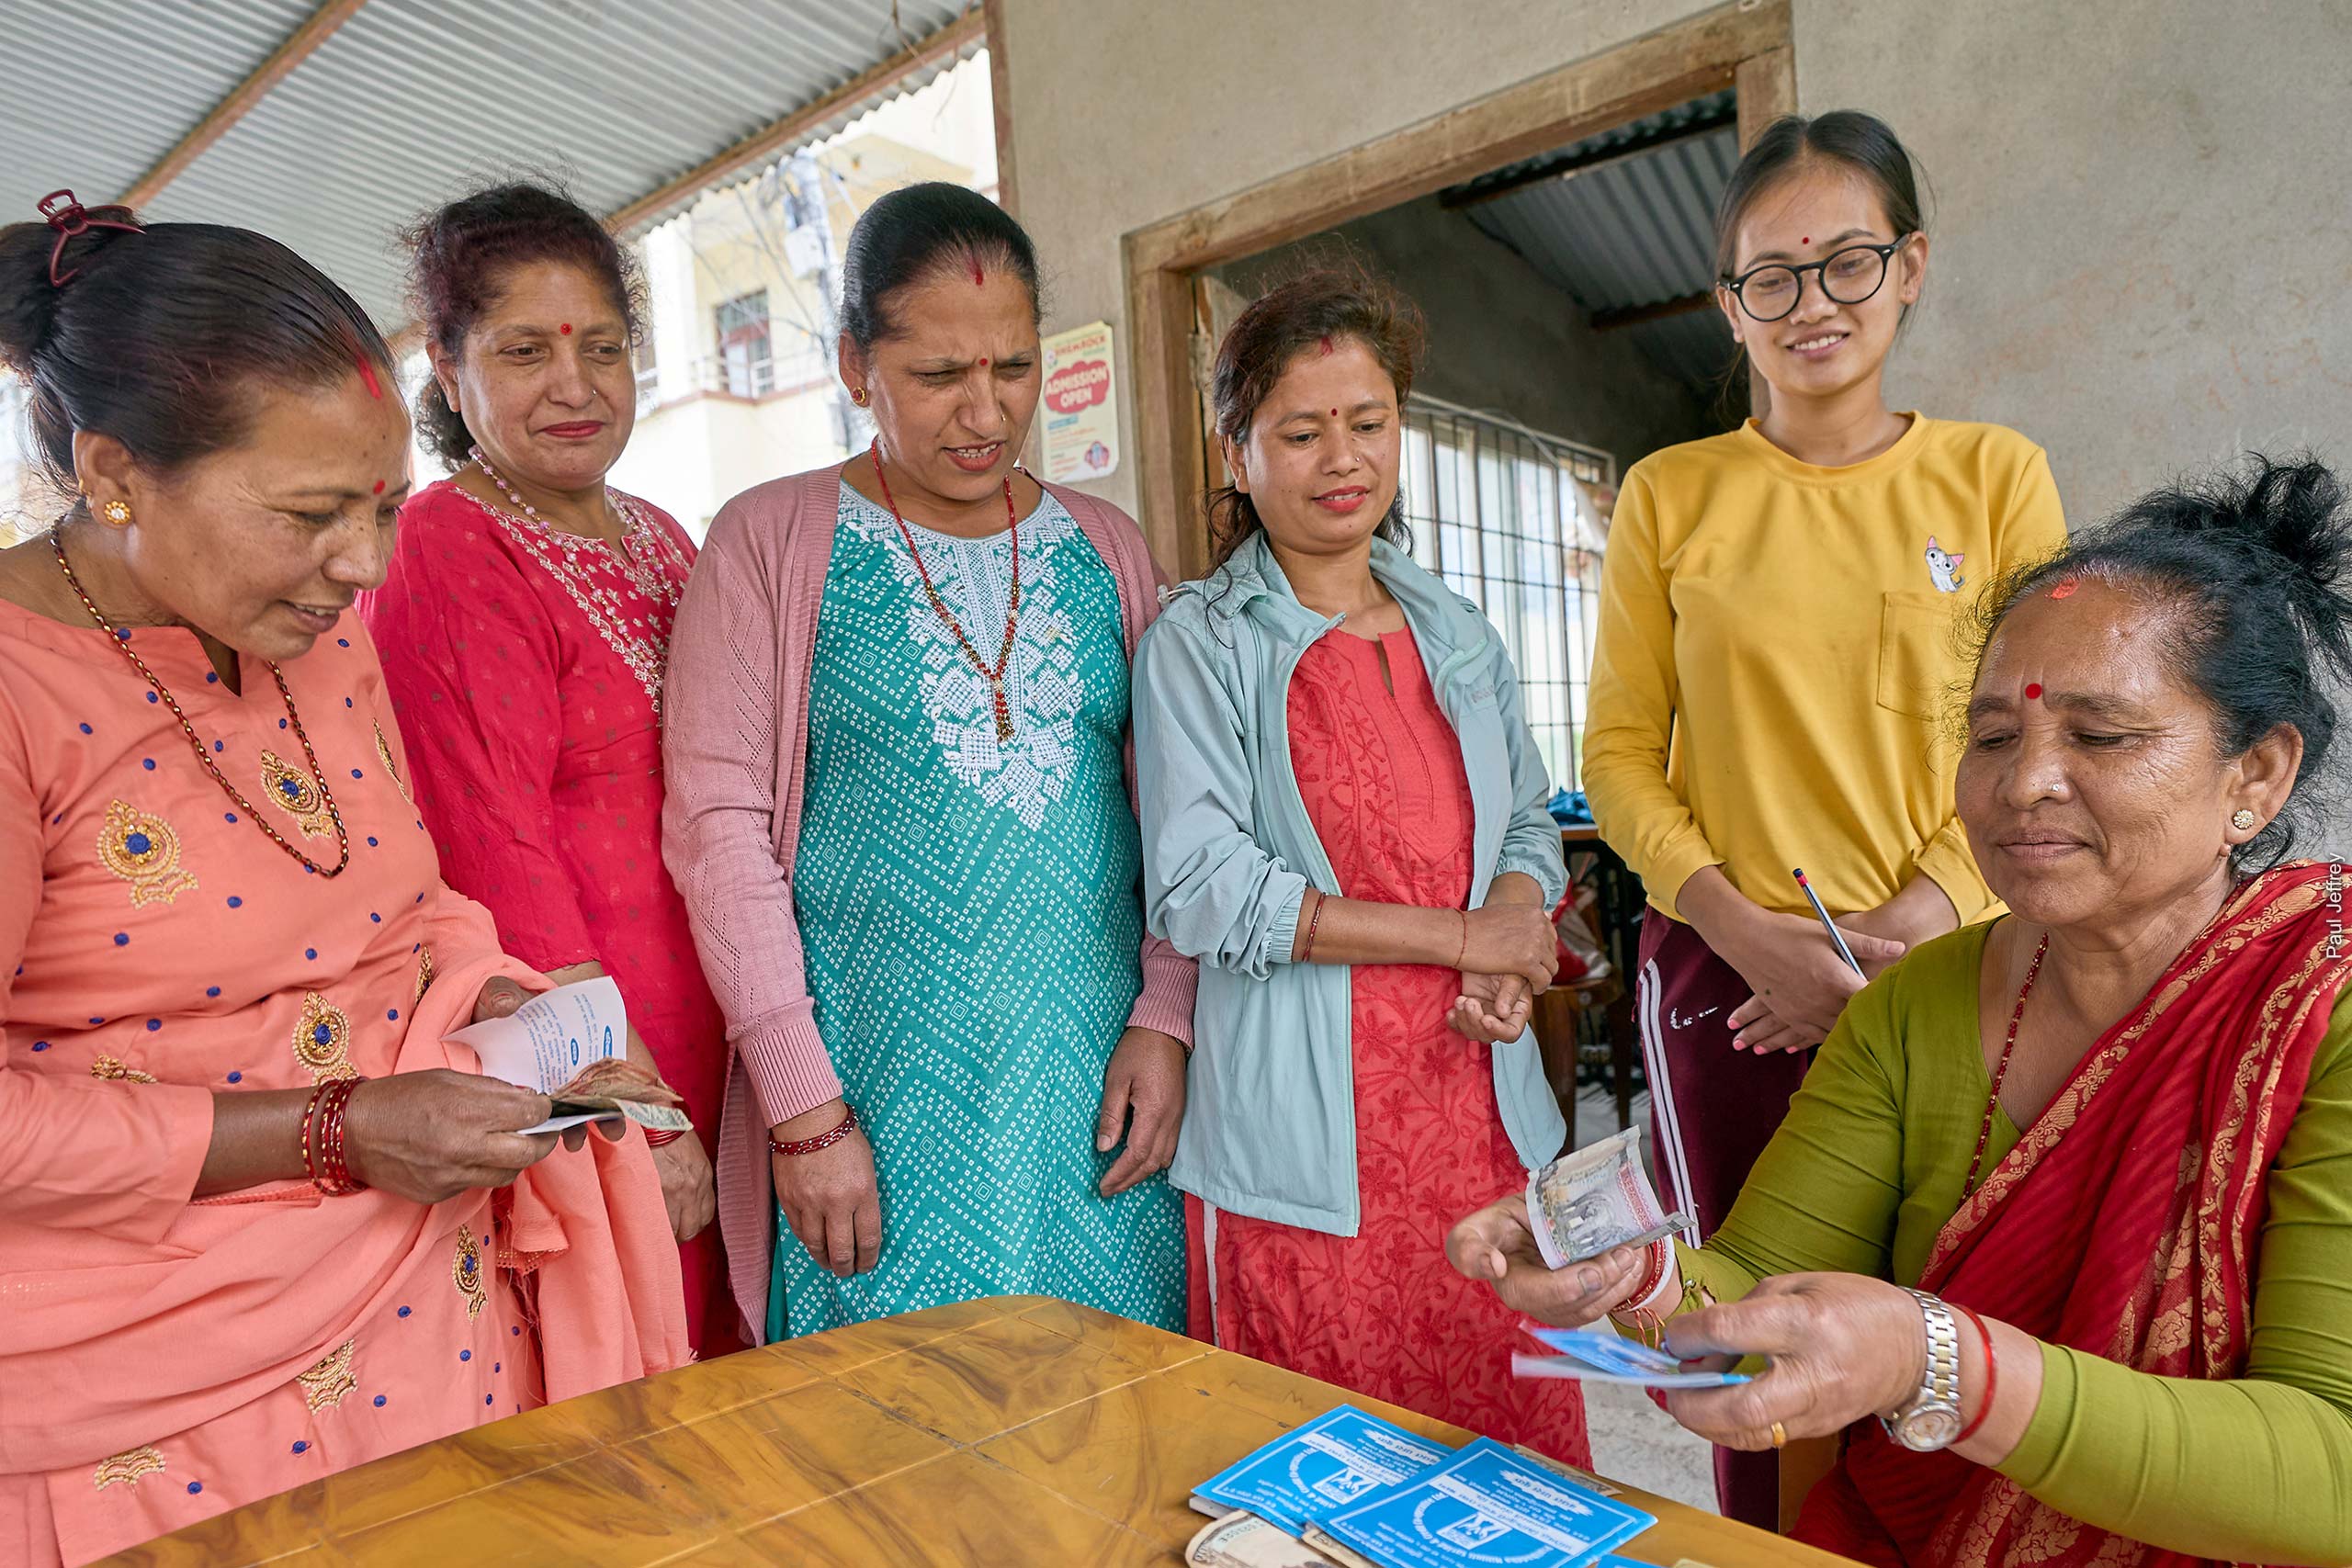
{"points": [[1776, 651]]}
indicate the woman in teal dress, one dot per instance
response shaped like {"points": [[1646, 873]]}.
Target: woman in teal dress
{"points": [[901, 813]]}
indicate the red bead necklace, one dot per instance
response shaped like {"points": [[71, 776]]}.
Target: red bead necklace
{"points": [[995, 678], [253, 815], [2001, 1067]]}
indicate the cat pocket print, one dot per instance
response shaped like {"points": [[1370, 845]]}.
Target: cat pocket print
{"points": [[1944, 569]]}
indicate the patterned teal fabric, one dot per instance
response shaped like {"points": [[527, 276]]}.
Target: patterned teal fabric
{"points": [[972, 920]]}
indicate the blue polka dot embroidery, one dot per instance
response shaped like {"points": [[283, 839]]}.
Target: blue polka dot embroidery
{"points": [[374, 919], [194, 1487], [88, 730], [488, 1399], [342, 642], [229, 816], [96, 1021], [347, 702], [237, 1077], [394, 1015], [219, 746], [371, 840], [148, 763], [498, 1366], [464, 1355], [154, 698], [404, 1312], [517, 1331], [311, 954], [281, 724], [210, 679], [153, 1024], [379, 1402], [301, 1448], [41, 1044], [211, 990], [122, 939], [235, 902], [355, 773]]}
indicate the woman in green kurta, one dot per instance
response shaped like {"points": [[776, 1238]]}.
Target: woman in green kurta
{"points": [[2109, 1136]]}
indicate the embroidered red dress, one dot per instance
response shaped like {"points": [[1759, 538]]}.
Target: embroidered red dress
{"points": [[526, 665], [1382, 1311]]}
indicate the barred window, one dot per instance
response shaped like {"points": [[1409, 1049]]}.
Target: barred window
{"points": [[1503, 514]]}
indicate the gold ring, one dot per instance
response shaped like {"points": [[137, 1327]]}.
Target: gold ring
{"points": [[1779, 1435]]}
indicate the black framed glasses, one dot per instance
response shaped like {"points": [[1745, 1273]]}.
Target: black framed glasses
{"points": [[1849, 276]]}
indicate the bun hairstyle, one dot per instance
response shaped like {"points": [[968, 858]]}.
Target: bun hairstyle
{"points": [[1332, 302], [460, 258], [920, 233], [2252, 564], [159, 337]]}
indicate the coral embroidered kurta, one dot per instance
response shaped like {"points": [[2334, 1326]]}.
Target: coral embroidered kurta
{"points": [[525, 665], [1381, 1311], [165, 1359]]}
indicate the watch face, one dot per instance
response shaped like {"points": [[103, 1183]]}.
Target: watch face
{"points": [[1929, 1428]]}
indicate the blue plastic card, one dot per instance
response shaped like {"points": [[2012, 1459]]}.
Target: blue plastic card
{"points": [[1486, 1505], [1327, 1464]]}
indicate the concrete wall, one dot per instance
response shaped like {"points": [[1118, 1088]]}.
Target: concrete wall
{"points": [[2143, 237], [1502, 339]]}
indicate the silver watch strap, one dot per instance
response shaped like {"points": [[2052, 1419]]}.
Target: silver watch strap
{"points": [[1939, 1380]]}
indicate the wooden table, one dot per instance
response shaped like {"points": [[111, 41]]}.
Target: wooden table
{"points": [[1019, 1432]]}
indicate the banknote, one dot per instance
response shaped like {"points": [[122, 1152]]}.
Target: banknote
{"points": [[1595, 1198], [1245, 1540]]}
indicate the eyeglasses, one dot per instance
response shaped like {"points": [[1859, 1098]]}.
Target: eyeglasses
{"points": [[1769, 292]]}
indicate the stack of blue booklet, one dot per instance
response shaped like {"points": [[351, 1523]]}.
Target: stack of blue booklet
{"points": [[1377, 1492]]}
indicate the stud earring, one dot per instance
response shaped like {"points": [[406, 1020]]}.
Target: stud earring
{"points": [[2242, 820], [859, 396], [117, 513]]}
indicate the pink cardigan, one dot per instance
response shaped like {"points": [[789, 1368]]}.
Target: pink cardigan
{"points": [[736, 734]]}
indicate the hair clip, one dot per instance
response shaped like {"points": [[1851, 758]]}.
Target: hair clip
{"points": [[63, 213]]}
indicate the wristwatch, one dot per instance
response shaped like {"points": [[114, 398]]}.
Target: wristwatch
{"points": [[1929, 1419]]}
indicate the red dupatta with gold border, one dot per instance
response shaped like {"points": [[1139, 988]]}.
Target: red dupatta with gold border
{"points": [[2147, 1170]]}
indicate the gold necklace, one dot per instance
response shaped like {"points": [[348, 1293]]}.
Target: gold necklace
{"points": [[196, 741]]}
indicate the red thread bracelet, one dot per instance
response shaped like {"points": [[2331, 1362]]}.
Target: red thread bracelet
{"points": [[825, 1140], [1306, 950], [1992, 1374]]}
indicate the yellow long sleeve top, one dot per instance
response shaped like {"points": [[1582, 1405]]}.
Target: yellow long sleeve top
{"points": [[1779, 655]]}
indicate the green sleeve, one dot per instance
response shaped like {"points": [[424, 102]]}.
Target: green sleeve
{"points": [[2258, 1468], [1826, 1193]]}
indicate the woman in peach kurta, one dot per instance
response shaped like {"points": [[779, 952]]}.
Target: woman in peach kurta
{"points": [[190, 1323]]}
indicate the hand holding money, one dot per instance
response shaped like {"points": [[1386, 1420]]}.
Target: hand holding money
{"points": [[1596, 1198], [1570, 1249]]}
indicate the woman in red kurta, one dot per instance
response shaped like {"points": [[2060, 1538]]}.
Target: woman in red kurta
{"points": [[1382, 773], [525, 627]]}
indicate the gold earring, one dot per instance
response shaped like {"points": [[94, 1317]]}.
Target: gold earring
{"points": [[117, 513], [2242, 820], [859, 397]]}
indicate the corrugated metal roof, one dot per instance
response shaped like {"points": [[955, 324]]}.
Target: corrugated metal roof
{"points": [[1636, 230], [412, 101]]}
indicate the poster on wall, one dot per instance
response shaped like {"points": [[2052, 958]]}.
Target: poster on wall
{"points": [[1081, 416]]}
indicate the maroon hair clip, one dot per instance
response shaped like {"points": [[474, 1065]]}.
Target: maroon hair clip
{"points": [[70, 219]]}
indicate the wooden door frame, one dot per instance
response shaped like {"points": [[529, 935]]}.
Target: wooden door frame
{"points": [[1745, 45]]}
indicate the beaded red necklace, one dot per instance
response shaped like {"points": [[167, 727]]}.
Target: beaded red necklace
{"points": [[995, 678], [253, 813], [2001, 1067]]}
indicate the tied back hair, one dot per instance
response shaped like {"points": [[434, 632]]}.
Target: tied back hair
{"points": [[2249, 567]]}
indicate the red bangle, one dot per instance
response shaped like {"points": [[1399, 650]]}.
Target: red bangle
{"points": [[324, 1155], [662, 1137], [826, 1139], [1992, 1374], [1306, 950]]}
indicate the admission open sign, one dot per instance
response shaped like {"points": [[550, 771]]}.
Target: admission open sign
{"points": [[1081, 412]]}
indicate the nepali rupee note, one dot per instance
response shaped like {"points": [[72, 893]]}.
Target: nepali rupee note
{"points": [[1595, 1198], [1245, 1540]]}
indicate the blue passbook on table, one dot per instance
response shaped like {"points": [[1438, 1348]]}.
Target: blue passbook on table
{"points": [[1331, 1461], [1485, 1504]]}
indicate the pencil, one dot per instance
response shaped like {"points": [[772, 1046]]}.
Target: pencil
{"points": [[1827, 923]]}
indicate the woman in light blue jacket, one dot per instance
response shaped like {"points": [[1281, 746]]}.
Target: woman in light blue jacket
{"points": [[1343, 820]]}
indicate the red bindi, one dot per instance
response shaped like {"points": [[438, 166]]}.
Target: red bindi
{"points": [[2032, 691], [2064, 589], [979, 279], [984, 363], [1327, 343], [1335, 413], [1808, 240], [565, 329], [380, 486]]}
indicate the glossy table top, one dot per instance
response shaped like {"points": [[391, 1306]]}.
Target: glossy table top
{"points": [[1016, 1431]]}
